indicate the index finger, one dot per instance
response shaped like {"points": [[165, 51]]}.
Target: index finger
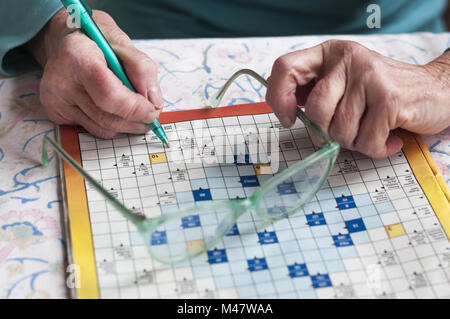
{"points": [[112, 96], [290, 71]]}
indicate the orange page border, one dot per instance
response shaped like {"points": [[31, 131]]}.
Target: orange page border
{"points": [[81, 250]]}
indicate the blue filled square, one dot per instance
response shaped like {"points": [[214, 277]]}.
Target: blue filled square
{"points": [[321, 281], [257, 264], [316, 219], [345, 202], [159, 238], [267, 238], [249, 181], [355, 225], [217, 256], [286, 188], [298, 270], [202, 195], [191, 221], [342, 240]]}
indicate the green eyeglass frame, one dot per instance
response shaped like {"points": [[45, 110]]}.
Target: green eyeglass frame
{"points": [[237, 207]]}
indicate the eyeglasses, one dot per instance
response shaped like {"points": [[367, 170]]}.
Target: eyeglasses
{"points": [[176, 237]]}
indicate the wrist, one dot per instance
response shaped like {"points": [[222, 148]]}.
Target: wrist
{"points": [[48, 38], [439, 69]]}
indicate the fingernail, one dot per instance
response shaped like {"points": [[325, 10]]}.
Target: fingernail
{"points": [[286, 121], [149, 118], [155, 96]]}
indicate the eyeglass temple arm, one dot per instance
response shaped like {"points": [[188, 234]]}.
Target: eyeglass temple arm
{"points": [[133, 217], [217, 98]]}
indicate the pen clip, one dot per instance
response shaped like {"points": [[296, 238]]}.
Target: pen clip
{"points": [[86, 6]]}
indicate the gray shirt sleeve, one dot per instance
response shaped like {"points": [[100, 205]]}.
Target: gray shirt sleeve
{"points": [[20, 21]]}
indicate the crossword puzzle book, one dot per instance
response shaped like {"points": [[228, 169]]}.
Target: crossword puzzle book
{"points": [[376, 229]]}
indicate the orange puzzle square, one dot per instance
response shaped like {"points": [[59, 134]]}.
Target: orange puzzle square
{"points": [[262, 169], [194, 246], [157, 158], [395, 230]]}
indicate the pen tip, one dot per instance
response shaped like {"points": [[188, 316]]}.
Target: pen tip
{"points": [[166, 145]]}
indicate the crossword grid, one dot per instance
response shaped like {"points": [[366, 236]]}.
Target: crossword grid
{"points": [[369, 232]]}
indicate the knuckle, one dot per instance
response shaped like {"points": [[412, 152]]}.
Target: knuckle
{"points": [[102, 16], [281, 64], [105, 134], [131, 112], [97, 72], [352, 49], [110, 121], [119, 38], [146, 66], [55, 118]]}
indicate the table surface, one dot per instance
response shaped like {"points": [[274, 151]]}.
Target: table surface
{"points": [[32, 241]]}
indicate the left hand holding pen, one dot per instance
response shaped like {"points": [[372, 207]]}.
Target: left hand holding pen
{"points": [[77, 86], [358, 96]]}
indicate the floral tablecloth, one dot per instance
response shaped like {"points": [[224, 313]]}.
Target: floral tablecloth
{"points": [[32, 241]]}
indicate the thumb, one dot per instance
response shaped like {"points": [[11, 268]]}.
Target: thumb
{"points": [[393, 144]]}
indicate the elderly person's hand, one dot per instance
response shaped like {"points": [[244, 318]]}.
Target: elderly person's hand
{"points": [[358, 96], [77, 86]]}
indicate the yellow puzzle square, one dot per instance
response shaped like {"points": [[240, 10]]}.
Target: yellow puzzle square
{"points": [[262, 169], [194, 246], [157, 158], [394, 230]]}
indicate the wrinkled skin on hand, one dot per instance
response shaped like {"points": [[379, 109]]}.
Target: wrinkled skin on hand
{"points": [[77, 86], [358, 96]]}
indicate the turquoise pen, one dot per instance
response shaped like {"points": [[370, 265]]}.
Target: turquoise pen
{"points": [[81, 12]]}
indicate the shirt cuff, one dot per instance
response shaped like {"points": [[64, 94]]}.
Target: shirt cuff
{"points": [[20, 21]]}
